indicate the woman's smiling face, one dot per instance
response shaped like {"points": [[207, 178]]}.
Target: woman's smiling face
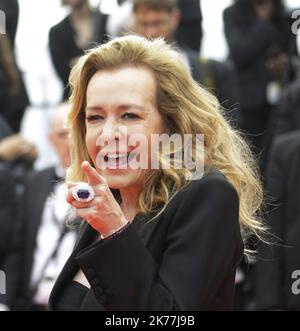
{"points": [[120, 102]]}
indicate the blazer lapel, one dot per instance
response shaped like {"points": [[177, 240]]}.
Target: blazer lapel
{"points": [[142, 225], [86, 234]]}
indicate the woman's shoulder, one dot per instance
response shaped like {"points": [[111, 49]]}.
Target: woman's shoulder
{"points": [[62, 27], [210, 181], [208, 204], [213, 189]]}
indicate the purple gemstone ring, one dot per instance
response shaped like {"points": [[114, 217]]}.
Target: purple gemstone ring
{"points": [[83, 192]]}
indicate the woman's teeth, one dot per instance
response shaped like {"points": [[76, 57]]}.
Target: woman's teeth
{"points": [[114, 160], [119, 160]]}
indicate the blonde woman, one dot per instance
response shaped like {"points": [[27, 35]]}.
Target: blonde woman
{"points": [[152, 239]]}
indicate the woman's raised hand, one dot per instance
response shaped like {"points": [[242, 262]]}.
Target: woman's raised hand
{"points": [[103, 212]]}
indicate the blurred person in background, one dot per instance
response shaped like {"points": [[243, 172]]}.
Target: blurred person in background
{"points": [[9, 228], [161, 19], [16, 154], [46, 239], [276, 284], [277, 281], [189, 31], [13, 147], [261, 45], [13, 96], [82, 29]]}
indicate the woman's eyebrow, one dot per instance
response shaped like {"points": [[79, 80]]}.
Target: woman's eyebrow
{"points": [[131, 106], [91, 108], [120, 107]]}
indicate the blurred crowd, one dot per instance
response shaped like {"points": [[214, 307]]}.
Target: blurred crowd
{"points": [[258, 87]]}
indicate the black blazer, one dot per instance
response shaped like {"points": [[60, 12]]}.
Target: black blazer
{"points": [[9, 213], [10, 240], [277, 262], [183, 260]]}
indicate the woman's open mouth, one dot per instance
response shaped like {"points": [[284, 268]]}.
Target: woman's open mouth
{"points": [[119, 160]]}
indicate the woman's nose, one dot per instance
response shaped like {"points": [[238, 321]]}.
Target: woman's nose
{"points": [[111, 128], [110, 132]]}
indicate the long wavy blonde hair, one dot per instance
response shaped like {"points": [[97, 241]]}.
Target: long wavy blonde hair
{"points": [[186, 108]]}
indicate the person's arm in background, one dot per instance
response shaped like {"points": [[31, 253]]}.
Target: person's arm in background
{"points": [[15, 147], [8, 65]]}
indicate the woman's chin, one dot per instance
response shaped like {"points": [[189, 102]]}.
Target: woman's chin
{"points": [[117, 181], [120, 179]]}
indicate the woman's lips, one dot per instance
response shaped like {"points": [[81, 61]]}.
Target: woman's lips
{"points": [[118, 160]]}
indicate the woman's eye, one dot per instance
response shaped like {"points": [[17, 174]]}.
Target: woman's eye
{"points": [[130, 116], [92, 118]]}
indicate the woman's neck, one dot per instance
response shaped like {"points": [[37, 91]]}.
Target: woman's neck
{"points": [[129, 198]]}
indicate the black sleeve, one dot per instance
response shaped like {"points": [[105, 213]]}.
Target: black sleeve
{"points": [[5, 130], [11, 239], [59, 55], [269, 268], [7, 209], [200, 250], [246, 46]]}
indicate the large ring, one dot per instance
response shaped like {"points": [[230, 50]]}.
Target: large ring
{"points": [[83, 192]]}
